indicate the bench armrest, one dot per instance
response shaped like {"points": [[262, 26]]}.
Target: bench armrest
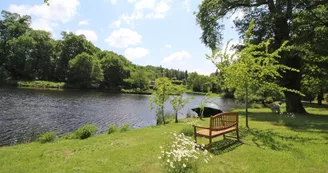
{"points": [[201, 127]]}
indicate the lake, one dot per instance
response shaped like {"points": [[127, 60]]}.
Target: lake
{"points": [[26, 113]]}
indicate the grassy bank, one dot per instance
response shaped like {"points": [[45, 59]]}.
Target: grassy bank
{"points": [[38, 84], [274, 143]]}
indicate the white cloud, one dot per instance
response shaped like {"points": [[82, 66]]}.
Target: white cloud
{"points": [[150, 9], [186, 5], [116, 24], [41, 24], [83, 22], [168, 46], [45, 17], [89, 34], [123, 37], [113, 1], [136, 53], [177, 57]]}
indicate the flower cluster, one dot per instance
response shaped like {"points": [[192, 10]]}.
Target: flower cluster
{"points": [[182, 154], [192, 122], [288, 115]]}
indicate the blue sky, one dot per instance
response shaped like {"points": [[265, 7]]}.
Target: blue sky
{"points": [[147, 32]]}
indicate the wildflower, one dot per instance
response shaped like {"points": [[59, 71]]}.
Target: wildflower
{"points": [[159, 157], [171, 164], [184, 165]]}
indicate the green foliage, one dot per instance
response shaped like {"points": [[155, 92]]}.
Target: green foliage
{"points": [[85, 71], [203, 102], [112, 129], [125, 128], [41, 84], [256, 106], [138, 79], [163, 88], [252, 71], [177, 101], [116, 69], [326, 97], [85, 131], [47, 137], [68, 136], [188, 131]]}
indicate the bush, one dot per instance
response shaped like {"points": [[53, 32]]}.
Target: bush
{"points": [[256, 106], [47, 137], [125, 127], [112, 128], [188, 131], [68, 136], [85, 131]]}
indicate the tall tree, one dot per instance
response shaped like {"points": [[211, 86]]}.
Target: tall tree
{"points": [[12, 25], [84, 71], [273, 19], [252, 70]]}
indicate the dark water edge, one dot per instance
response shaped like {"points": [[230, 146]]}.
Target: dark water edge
{"points": [[27, 113]]}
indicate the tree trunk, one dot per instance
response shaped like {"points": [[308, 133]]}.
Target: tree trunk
{"points": [[176, 117], [293, 103], [247, 106], [320, 97], [292, 80]]}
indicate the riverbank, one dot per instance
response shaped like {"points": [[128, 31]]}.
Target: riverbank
{"points": [[63, 85], [274, 143]]}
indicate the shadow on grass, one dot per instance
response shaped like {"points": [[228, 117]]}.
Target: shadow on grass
{"points": [[312, 123], [224, 146], [267, 139]]}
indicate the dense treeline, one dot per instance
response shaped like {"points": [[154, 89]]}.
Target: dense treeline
{"points": [[29, 55], [299, 26]]}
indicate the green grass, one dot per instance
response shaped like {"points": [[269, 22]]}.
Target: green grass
{"points": [[41, 84], [298, 146]]}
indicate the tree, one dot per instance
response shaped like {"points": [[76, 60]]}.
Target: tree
{"points": [[12, 25], [178, 102], [252, 69], [84, 71], [273, 19], [116, 69], [70, 46], [31, 56], [163, 87], [138, 79]]}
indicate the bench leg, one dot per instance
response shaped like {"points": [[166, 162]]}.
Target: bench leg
{"points": [[195, 138], [237, 132], [210, 144], [223, 136]]}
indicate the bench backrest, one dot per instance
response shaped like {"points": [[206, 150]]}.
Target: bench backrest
{"points": [[224, 120]]}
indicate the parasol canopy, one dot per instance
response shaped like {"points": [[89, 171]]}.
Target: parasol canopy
{"points": [[210, 109]]}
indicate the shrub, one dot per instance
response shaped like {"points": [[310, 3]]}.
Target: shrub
{"points": [[47, 137], [112, 128], [68, 136], [125, 127], [85, 131], [188, 131], [256, 106], [182, 154]]}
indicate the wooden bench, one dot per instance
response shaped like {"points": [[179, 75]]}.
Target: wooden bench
{"points": [[220, 124]]}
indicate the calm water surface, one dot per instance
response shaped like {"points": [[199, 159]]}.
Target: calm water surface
{"points": [[26, 113]]}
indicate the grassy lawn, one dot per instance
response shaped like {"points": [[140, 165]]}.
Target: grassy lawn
{"points": [[300, 145]]}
